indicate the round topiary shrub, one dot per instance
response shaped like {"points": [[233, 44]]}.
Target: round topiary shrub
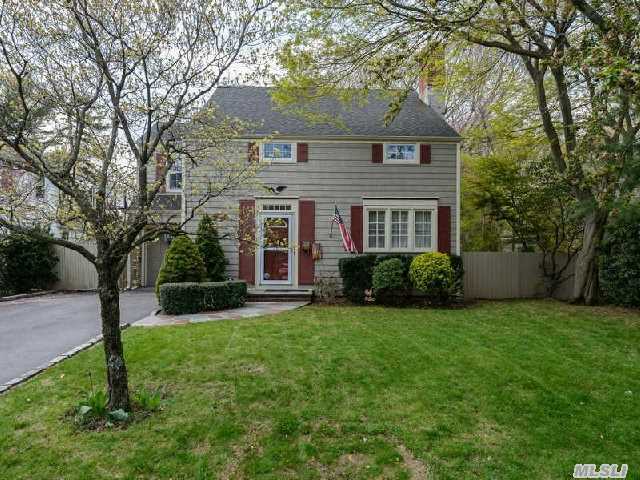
{"points": [[432, 274], [389, 282], [182, 263]]}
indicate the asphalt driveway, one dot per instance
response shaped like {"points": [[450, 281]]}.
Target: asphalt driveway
{"points": [[35, 330]]}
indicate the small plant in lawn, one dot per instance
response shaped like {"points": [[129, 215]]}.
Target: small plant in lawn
{"points": [[326, 289], [432, 274], [287, 425], [92, 411], [389, 282], [147, 400]]}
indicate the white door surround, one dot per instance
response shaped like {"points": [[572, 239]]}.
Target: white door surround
{"points": [[269, 210]]}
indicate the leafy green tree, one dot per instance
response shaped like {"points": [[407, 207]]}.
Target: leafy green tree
{"points": [[535, 205], [580, 59], [27, 263], [208, 243], [182, 263]]}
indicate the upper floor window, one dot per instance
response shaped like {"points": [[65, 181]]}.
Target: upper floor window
{"points": [[400, 225], [400, 153], [174, 176], [278, 152], [39, 188]]}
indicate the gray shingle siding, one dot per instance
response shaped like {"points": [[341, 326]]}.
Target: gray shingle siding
{"points": [[339, 173]]}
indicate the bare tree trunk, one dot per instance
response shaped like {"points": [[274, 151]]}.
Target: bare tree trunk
{"points": [[117, 383], [586, 286]]}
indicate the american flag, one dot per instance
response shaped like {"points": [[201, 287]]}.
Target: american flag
{"points": [[347, 241]]}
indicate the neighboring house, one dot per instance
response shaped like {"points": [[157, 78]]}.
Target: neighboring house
{"points": [[27, 198], [397, 187]]}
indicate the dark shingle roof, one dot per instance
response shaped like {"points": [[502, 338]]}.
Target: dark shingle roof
{"points": [[254, 105]]}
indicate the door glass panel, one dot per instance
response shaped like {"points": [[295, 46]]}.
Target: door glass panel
{"points": [[275, 248], [276, 265], [276, 232]]}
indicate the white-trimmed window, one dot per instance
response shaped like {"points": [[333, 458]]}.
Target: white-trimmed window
{"points": [[174, 177], [376, 228], [400, 225], [401, 153], [278, 152], [40, 187]]}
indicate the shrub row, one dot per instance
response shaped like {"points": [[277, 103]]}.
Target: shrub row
{"points": [[620, 258], [26, 263], [179, 298], [389, 277]]}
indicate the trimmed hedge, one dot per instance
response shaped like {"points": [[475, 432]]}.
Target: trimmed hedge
{"points": [[189, 297], [390, 284], [432, 274], [356, 273]]}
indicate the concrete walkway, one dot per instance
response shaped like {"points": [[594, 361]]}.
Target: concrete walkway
{"points": [[251, 309]]}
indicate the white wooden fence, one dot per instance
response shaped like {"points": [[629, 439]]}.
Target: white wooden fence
{"points": [[491, 275]]}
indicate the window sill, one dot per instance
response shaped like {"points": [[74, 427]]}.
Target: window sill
{"points": [[279, 162], [396, 250], [400, 162]]}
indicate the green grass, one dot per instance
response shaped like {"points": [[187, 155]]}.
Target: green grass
{"points": [[499, 390]]}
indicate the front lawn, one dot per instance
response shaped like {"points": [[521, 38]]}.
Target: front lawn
{"points": [[499, 390]]}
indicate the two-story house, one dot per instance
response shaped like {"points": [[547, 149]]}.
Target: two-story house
{"points": [[396, 186]]}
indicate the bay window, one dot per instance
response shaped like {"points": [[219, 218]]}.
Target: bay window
{"points": [[400, 225]]}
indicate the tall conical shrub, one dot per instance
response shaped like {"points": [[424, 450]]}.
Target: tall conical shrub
{"points": [[182, 263], [208, 243]]}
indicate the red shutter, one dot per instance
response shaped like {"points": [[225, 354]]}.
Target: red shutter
{"points": [[161, 163], [444, 229], [425, 153], [376, 153], [306, 233], [253, 152], [303, 152], [356, 226], [246, 244]]}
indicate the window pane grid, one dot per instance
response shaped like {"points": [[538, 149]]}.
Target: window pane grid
{"points": [[401, 152], [278, 151], [175, 175], [422, 226], [376, 231], [399, 228]]}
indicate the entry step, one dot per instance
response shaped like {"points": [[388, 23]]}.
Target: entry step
{"points": [[279, 295]]}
